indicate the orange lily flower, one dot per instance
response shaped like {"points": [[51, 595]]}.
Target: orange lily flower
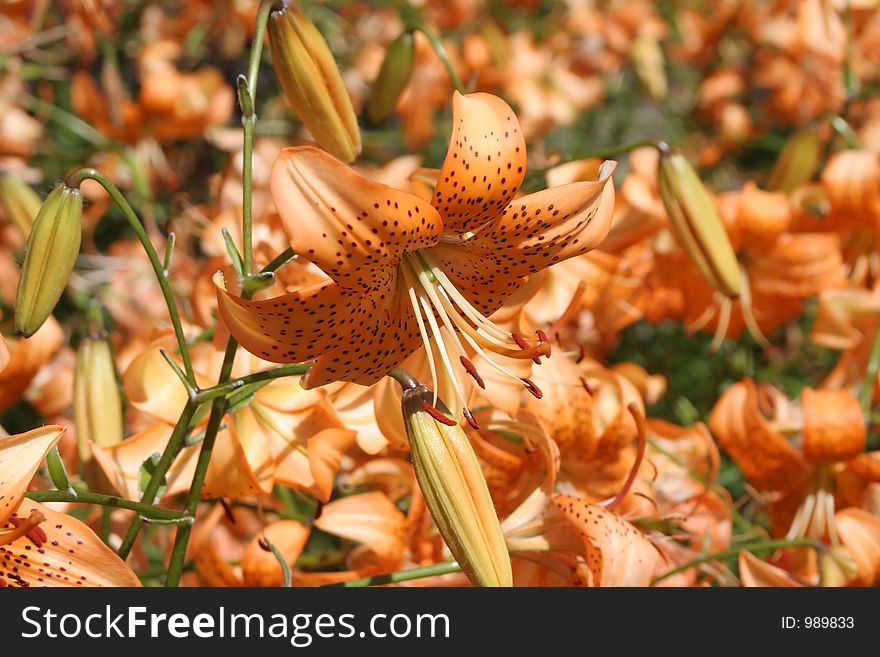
{"points": [[399, 264], [40, 546]]}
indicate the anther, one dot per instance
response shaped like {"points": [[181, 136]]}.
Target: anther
{"points": [[582, 353], [227, 509], [525, 346], [438, 415], [28, 527], [469, 366], [532, 388], [471, 420]]}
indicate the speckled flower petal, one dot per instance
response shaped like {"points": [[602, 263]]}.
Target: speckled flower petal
{"points": [[355, 230], [485, 163], [67, 553], [354, 336]]}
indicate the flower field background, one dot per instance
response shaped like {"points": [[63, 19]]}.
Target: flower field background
{"points": [[441, 293]]}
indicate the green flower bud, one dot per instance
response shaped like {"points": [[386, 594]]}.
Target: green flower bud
{"points": [[312, 82], [52, 248], [393, 77], [20, 203], [455, 489], [796, 162], [696, 223]]}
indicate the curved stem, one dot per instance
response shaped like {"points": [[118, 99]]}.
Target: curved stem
{"points": [[145, 510], [75, 180], [226, 387], [443, 568], [774, 544], [406, 380], [444, 57]]}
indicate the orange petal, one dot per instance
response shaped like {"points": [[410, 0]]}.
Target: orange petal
{"points": [[764, 455], [617, 553], [325, 452], [122, 463], [354, 336], [355, 230], [20, 456], [259, 567], [153, 387], [834, 429], [241, 463], [70, 555], [757, 573], [531, 234], [369, 518], [26, 357], [860, 533], [484, 166], [4, 354]]}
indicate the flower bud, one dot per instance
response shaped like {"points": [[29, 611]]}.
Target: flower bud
{"points": [[796, 162], [649, 65], [52, 248], [393, 77], [696, 223], [97, 404], [20, 203], [455, 490], [312, 82]]}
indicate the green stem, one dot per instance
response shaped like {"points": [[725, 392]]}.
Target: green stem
{"points": [[249, 121], [145, 510], [866, 393], [158, 477], [224, 388], [444, 57], [218, 410], [844, 129], [75, 180], [443, 568], [774, 544]]}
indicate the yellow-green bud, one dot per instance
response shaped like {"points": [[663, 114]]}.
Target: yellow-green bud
{"points": [[455, 490], [312, 83], [796, 162], [696, 223], [52, 248], [393, 77], [20, 203], [97, 404]]}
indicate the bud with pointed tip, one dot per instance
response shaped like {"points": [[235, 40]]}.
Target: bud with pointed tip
{"points": [[97, 404], [393, 77], [455, 490], [312, 83], [696, 223], [52, 248], [797, 161]]}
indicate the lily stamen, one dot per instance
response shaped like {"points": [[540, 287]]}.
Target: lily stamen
{"points": [[29, 527]]}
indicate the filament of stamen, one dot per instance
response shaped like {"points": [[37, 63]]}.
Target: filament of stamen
{"points": [[22, 527]]}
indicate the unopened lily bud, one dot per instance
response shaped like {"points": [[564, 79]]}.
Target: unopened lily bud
{"points": [[20, 203], [393, 77], [312, 82], [97, 404], [455, 489], [52, 248], [650, 65], [796, 162], [696, 223]]}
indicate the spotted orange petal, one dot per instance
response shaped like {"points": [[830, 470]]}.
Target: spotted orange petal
{"points": [[617, 553], [484, 166], [20, 456], [355, 230], [65, 553], [354, 336]]}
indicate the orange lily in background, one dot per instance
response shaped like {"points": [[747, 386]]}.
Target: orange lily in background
{"points": [[398, 264], [40, 546]]}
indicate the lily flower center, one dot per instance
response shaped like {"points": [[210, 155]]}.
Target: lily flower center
{"points": [[29, 527], [815, 515], [434, 297]]}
